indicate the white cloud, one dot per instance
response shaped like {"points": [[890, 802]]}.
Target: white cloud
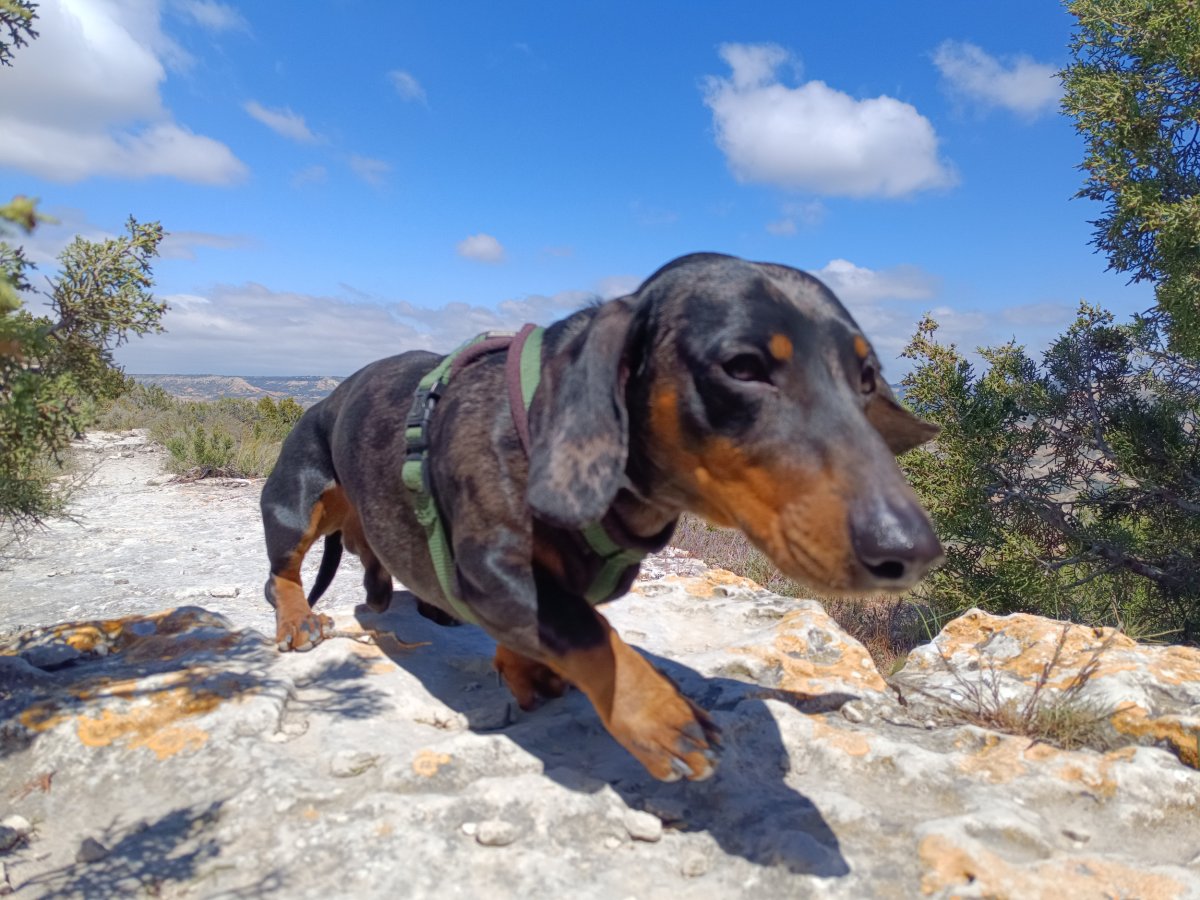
{"points": [[618, 285], [102, 114], [856, 284], [213, 15], [250, 329], [373, 171], [481, 248], [406, 85], [815, 138], [282, 121], [184, 244], [1020, 85], [886, 303]]}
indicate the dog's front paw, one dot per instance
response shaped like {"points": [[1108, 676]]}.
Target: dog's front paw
{"points": [[301, 633], [671, 736]]}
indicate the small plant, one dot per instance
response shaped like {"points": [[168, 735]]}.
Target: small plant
{"points": [[227, 437], [1061, 717]]}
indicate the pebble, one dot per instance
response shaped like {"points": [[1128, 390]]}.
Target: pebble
{"points": [[496, 833], [469, 828], [90, 851], [19, 824], [851, 713], [694, 865], [612, 843], [350, 763], [643, 826]]}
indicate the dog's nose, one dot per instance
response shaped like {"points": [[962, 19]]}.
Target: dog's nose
{"points": [[894, 542]]}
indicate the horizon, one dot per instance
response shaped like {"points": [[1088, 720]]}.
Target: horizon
{"points": [[472, 168]]}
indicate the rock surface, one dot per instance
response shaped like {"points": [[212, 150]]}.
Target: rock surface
{"points": [[154, 742]]}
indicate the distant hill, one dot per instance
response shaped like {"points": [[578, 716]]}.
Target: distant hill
{"points": [[304, 389]]}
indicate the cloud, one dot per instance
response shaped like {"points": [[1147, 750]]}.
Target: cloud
{"points": [[184, 244], [282, 121], [886, 303], [250, 329], [855, 284], [373, 171], [212, 15], [1021, 85], [406, 85], [481, 248], [314, 174], [652, 216], [796, 216], [815, 138], [103, 113]]}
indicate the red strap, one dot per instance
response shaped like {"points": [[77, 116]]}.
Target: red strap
{"points": [[512, 377]]}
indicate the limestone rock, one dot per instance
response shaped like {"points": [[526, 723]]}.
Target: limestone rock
{"points": [[390, 761]]}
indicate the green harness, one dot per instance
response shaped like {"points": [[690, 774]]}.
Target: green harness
{"points": [[524, 374]]}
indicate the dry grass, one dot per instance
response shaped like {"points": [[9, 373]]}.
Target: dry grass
{"points": [[1059, 717]]}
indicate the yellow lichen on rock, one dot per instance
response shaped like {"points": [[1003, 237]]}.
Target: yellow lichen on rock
{"points": [[948, 866]]}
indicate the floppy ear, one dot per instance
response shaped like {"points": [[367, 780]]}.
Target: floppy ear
{"points": [[900, 429], [579, 427]]}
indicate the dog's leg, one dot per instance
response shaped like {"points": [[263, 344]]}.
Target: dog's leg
{"points": [[377, 580], [527, 678], [640, 707], [297, 627]]}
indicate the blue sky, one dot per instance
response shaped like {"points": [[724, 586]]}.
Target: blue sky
{"points": [[347, 180]]}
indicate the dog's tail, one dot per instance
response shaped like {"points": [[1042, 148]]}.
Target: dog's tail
{"points": [[330, 559]]}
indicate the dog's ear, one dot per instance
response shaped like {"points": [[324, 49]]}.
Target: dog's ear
{"points": [[579, 427], [900, 429]]}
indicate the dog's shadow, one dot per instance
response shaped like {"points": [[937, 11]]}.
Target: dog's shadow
{"points": [[746, 807]]}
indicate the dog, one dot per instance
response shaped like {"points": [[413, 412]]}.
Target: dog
{"points": [[743, 392]]}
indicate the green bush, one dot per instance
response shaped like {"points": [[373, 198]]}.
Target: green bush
{"points": [[229, 437], [1068, 488]]}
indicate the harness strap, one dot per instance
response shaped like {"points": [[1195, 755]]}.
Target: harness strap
{"points": [[415, 471], [522, 372], [522, 375]]}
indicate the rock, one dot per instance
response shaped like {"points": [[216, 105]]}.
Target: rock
{"points": [[91, 851], [1138, 694], [19, 823], [13, 831], [496, 833], [643, 826], [205, 763]]}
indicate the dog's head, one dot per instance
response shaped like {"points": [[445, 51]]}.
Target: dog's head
{"points": [[749, 396]]}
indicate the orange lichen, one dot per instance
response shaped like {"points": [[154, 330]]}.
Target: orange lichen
{"points": [[949, 866], [852, 743], [150, 723], [427, 762], [1181, 735], [844, 664]]}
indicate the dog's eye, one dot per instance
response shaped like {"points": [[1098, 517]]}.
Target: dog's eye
{"points": [[869, 376], [746, 367]]}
